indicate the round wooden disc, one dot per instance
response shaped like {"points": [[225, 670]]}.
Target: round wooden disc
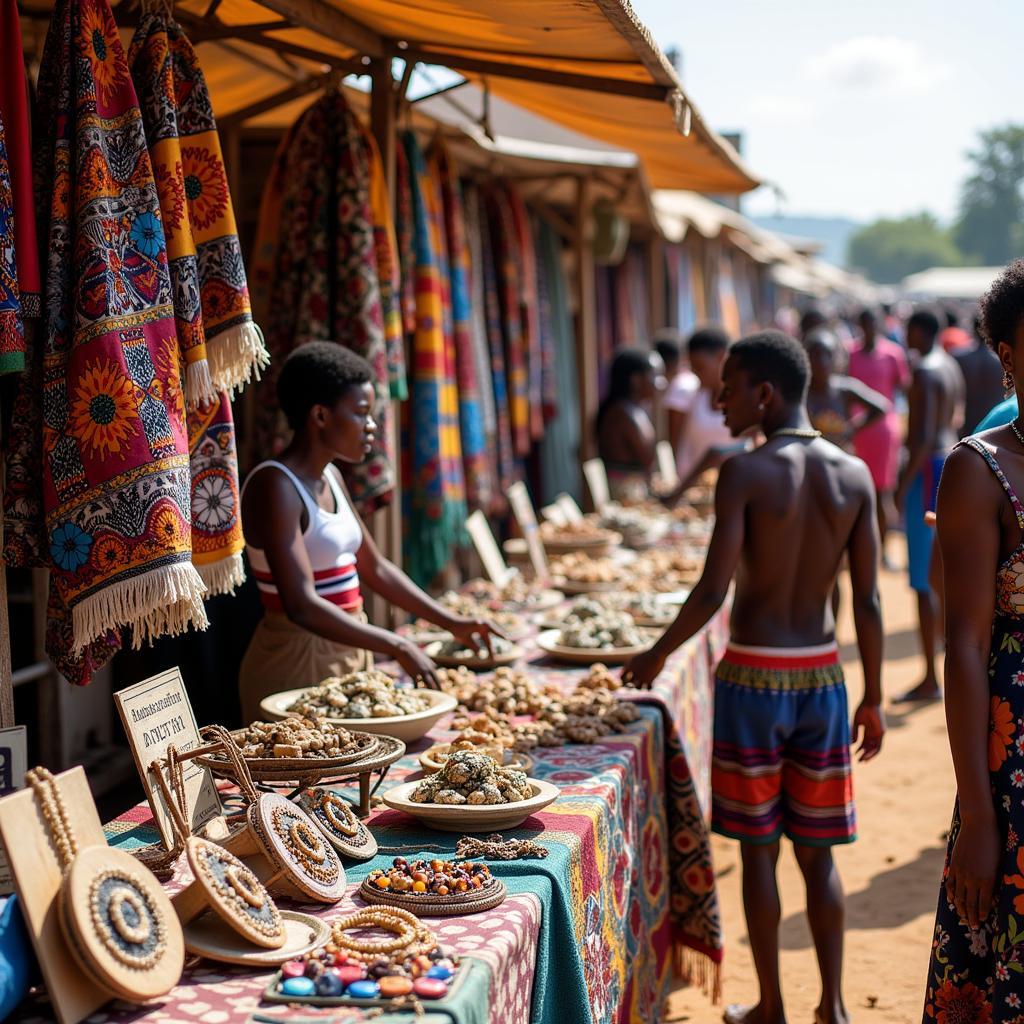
{"points": [[352, 838], [210, 937], [235, 893], [120, 924], [293, 842]]}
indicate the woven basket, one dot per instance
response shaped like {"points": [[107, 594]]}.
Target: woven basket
{"points": [[429, 905], [268, 769]]}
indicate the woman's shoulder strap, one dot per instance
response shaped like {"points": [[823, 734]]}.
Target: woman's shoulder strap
{"points": [[982, 449]]}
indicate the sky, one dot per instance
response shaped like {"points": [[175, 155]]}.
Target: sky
{"points": [[859, 110]]}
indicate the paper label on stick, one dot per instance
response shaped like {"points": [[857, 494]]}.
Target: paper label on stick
{"points": [[487, 548], [522, 508], [597, 481], [572, 512], [157, 714], [554, 514], [667, 464], [13, 765]]}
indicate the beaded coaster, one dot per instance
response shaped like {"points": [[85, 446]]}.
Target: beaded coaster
{"points": [[430, 905], [225, 884], [120, 925], [209, 936], [338, 822]]}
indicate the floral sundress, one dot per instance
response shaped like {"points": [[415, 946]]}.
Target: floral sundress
{"points": [[977, 976]]}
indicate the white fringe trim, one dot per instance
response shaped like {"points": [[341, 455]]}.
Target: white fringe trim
{"points": [[199, 389], [224, 576], [237, 356], [165, 601]]}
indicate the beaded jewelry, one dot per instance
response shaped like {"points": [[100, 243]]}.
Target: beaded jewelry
{"points": [[495, 847], [412, 937]]}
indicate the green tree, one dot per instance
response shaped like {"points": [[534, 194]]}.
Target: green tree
{"points": [[888, 250], [990, 226]]}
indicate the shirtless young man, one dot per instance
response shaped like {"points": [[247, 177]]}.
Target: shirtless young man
{"points": [[936, 406], [786, 513]]}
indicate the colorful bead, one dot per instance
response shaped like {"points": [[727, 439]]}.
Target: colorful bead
{"points": [[329, 985], [350, 973], [298, 987], [429, 988], [363, 990], [393, 987], [439, 972], [293, 969]]}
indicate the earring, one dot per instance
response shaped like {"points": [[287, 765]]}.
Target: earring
{"points": [[1007, 381]]}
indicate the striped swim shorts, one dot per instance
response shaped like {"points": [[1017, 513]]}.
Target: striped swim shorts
{"points": [[782, 747]]}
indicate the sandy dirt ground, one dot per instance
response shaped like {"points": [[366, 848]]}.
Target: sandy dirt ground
{"points": [[891, 874]]}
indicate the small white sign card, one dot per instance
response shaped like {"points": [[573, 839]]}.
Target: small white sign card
{"points": [[572, 512], [667, 464], [522, 508], [13, 765], [157, 714], [554, 514], [487, 548], [597, 481]]}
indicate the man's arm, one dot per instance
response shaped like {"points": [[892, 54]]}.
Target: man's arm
{"points": [[868, 723], [920, 429], [709, 593]]}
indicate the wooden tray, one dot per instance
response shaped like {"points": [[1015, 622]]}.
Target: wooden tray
{"points": [[209, 936], [585, 587], [272, 769], [475, 818], [513, 759], [592, 545], [548, 643], [476, 664], [407, 728], [429, 905]]}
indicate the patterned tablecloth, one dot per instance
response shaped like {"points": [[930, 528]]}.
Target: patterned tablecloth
{"points": [[588, 933]]}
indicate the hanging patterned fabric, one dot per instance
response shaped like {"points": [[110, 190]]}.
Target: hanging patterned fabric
{"points": [[478, 305], [16, 116], [526, 261], [388, 273], [406, 242], [505, 444], [12, 328], [221, 344], [114, 443], [436, 505], [506, 257], [475, 462], [316, 250]]}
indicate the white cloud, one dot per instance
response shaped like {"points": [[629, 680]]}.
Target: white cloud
{"points": [[876, 65], [775, 106]]}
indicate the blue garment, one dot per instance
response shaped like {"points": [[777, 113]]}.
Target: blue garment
{"points": [[920, 536], [999, 415]]}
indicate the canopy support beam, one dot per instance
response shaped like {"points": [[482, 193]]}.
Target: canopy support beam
{"points": [[278, 99], [586, 320], [329, 21]]}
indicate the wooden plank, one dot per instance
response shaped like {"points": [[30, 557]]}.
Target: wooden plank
{"points": [[586, 333], [329, 21], [278, 99]]}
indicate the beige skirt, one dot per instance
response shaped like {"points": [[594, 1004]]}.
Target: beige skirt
{"points": [[283, 656]]}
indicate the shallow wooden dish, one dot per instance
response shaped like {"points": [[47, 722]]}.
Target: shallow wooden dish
{"points": [[548, 643], [211, 937], [406, 728], [586, 587], [429, 905], [595, 546], [476, 818], [474, 662], [513, 759]]}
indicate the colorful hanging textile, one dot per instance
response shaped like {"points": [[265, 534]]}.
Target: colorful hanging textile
{"points": [[560, 446], [404, 231], [15, 114], [478, 308], [476, 466], [12, 328], [222, 346], [436, 501], [506, 259], [526, 260], [114, 442], [316, 249], [505, 445], [388, 274]]}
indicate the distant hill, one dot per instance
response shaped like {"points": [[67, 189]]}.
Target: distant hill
{"points": [[832, 232]]}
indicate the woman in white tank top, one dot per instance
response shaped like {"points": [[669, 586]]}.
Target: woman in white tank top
{"points": [[308, 549]]}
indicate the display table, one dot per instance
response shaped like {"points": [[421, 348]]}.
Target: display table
{"points": [[586, 934]]}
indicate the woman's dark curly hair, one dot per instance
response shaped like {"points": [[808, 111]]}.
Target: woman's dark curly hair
{"points": [[1001, 308]]}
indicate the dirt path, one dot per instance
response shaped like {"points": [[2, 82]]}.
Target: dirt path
{"points": [[891, 874]]}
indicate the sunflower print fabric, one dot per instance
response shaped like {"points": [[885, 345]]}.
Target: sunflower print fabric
{"points": [[112, 437]]}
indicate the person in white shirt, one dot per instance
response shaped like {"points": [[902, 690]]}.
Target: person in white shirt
{"points": [[696, 427]]}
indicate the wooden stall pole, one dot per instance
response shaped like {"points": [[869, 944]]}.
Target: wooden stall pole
{"points": [[657, 309], [586, 332]]}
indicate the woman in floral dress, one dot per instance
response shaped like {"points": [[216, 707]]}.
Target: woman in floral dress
{"points": [[976, 973]]}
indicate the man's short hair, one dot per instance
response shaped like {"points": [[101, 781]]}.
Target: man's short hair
{"points": [[776, 358], [1001, 309], [707, 339], [318, 373], [925, 320], [668, 348]]}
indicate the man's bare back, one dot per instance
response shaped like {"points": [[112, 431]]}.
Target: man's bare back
{"points": [[801, 502], [941, 384]]}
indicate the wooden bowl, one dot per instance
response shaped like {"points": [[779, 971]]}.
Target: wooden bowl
{"points": [[475, 818], [548, 643], [474, 661], [513, 759], [585, 586], [406, 728]]}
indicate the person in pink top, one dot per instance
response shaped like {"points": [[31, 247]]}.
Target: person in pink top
{"points": [[881, 364]]}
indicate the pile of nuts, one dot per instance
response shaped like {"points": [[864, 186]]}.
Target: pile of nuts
{"points": [[470, 778], [431, 877], [605, 630], [580, 568], [294, 737], [364, 694], [517, 593], [585, 532], [469, 607], [664, 570], [454, 648], [507, 690]]}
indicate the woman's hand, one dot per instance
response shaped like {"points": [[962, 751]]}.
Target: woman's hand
{"points": [[642, 669], [475, 633], [416, 664], [974, 869]]}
